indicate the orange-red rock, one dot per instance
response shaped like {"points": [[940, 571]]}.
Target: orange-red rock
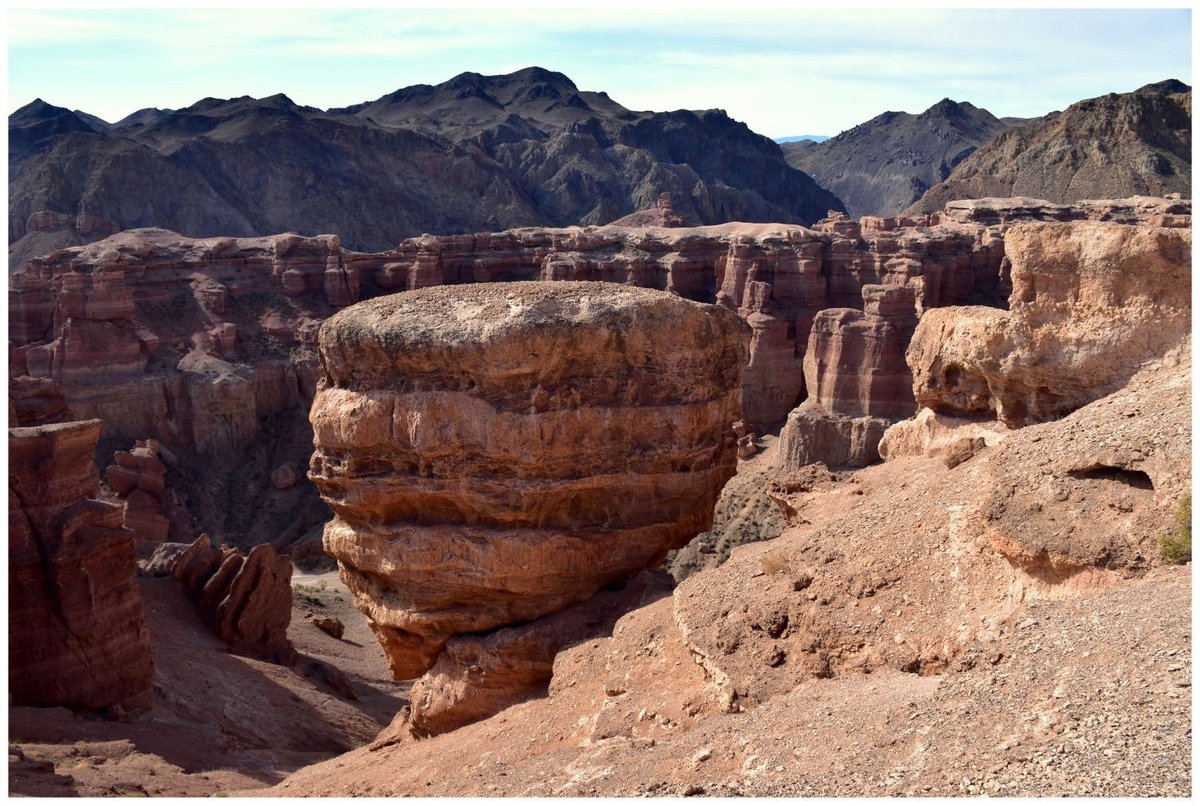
{"points": [[245, 599], [77, 632], [495, 452], [139, 478]]}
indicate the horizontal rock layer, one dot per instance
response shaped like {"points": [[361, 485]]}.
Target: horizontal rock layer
{"points": [[1090, 303], [76, 627], [208, 345], [493, 453]]}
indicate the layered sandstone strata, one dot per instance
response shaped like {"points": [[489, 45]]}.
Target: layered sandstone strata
{"points": [[244, 598], [1091, 302], [208, 345], [858, 381], [495, 452], [139, 478], [77, 632]]}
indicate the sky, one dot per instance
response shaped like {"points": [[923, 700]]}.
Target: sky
{"points": [[780, 69]]}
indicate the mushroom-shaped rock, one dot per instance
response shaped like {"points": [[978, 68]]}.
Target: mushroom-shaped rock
{"points": [[494, 452]]}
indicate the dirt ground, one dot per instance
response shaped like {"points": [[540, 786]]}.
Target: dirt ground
{"points": [[218, 722]]}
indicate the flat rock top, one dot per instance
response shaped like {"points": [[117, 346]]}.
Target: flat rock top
{"points": [[605, 343], [477, 312], [54, 429]]}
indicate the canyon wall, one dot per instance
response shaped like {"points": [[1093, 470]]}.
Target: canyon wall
{"points": [[208, 345], [77, 632]]}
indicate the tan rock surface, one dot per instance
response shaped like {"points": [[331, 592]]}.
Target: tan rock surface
{"points": [[1090, 303], [495, 452], [787, 665]]}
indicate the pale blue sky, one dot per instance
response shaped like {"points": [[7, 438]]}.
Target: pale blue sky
{"points": [[782, 72]]}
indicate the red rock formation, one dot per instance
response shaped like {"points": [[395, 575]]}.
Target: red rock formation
{"points": [[139, 478], [208, 346], [36, 401], [482, 674], [77, 633], [858, 381], [493, 453], [245, 599]]}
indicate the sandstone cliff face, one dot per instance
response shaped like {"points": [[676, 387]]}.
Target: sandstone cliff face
{"points": [[205, 347], [1090, 303], [208, 346], [493, 453], [76, 628], [857, 380]]}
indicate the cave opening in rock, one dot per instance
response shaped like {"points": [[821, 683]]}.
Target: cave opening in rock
{"points": [[1132, 478]]}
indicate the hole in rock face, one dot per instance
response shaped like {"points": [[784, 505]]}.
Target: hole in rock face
{"points": [[1132, 478]]}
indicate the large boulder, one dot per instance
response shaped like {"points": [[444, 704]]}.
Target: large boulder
{"points": [[496, 452]]}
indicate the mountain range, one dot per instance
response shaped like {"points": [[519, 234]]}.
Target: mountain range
{"points": [[476, 153], [1134, 143], [885, 164]]}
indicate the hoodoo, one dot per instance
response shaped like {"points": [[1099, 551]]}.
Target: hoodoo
{"points": [[495, 452]]}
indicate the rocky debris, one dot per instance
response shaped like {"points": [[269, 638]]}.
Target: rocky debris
{"points": [[962, 449], [327, 624], [1081, 696], [932, 434], [76, 625], [1090, 303], [527, 411], [744, 513], [1098, 488], [1057, 509], [244, 598], [162, 562], [138, 477], [1147, 149], [882, 166], [482, 674]]}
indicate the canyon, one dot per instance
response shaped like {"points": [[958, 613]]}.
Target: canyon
{"points": [[1023, 368]]}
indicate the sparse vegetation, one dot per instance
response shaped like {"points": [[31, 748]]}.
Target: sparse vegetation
{"points": [[317, 596], [1176, 547]]}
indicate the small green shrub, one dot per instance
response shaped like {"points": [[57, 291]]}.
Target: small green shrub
{"points": [[1177, 548]]}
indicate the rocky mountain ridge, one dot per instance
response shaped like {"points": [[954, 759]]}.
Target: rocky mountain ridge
{"points": [[1138, 142], [882, 166], [476, 153]]}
